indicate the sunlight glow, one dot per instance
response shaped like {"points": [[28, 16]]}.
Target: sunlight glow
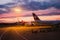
{"points": [[22, 28], [17, 10]]}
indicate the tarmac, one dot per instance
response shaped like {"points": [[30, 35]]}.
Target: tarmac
{"points": [[25, 33]]}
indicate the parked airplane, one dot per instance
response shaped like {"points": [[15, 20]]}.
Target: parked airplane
{"points": [[40, 22]]}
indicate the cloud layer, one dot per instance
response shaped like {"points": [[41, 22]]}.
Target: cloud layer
{"points": [[46, 9], [34, 5]]}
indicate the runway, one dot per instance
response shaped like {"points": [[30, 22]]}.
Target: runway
{"points": [[15, 33], [25, 33]]}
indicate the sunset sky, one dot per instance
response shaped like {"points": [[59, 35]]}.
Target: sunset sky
{"points": [[10, 10]]}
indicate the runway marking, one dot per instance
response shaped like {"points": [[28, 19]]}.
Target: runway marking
{"points": [[21, 35], [3, 34], [11, 29]]}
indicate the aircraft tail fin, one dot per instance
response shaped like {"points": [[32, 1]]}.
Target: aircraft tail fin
{"points": [[35, 17]]}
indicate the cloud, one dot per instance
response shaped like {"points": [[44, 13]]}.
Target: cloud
{"points": [[5, 1], [34, 5], [48, 12], [57, 5], [38, 5], [51, 11], [4, 9], [3, 6]]}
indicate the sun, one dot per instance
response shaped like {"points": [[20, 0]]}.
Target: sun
{"points": [[17, 10]]}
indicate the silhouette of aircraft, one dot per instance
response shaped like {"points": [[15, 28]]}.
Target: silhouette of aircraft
{"points": [[37, 21]]}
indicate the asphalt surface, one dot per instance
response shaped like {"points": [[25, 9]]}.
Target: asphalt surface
{"points": [[25, 33]]}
